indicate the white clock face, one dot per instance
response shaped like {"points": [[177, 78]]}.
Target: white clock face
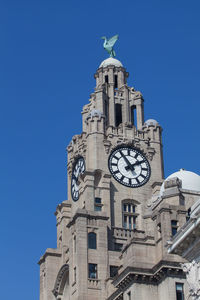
{"points": [[79, 168], [129, 166]]}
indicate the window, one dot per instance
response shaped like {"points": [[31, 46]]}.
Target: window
{"points": [[92, 271], [106, 79], [129, 295], [179, 291], [97, 204], [116, 82], [129, 216], [188, 214], [113, 271], [174, 227], [118, 114], [133, 114], [118, 246], [92, 240]]}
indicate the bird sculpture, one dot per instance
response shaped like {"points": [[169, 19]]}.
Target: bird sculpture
{"points": [[109, 44]]}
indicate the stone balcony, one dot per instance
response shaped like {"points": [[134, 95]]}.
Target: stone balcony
{"points": [[94, 283]]}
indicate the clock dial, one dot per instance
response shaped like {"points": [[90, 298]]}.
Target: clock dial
{"points": [[129, 166], [79, 168]]}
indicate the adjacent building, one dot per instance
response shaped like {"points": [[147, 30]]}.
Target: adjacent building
{"points": [[113, 230]]}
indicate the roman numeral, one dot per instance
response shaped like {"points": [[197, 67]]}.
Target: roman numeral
{"points": [[122, 178], [113, 164], [142, 176]]}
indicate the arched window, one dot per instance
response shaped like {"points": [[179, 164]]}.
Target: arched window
{"points": [[92, 240], [129, 215]]}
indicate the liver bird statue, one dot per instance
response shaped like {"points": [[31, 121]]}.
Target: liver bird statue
{"points": [[109, 44]]}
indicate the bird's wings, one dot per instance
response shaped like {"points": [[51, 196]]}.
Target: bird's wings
{"points": [[113, 40]]}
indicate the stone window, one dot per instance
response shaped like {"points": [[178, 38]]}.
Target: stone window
{"points": [[113, 271], [116, 82], [92, 271], [188, 214], [118, 114], [179, 291], [118, 246], [174, 226], [97, 204], [129, 296], [133, 114], [106, 79], [129, 216], [92, 240]]}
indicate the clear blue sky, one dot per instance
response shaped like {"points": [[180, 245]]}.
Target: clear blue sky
{"points": [[49, 51]]}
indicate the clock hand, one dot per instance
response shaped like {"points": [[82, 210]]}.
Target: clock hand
{"points": [[127, 161], [135, 164]]}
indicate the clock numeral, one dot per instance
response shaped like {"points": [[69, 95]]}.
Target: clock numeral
{"points": [[137, 180], [144, 169], [114, 164], [142, 176], [122, 178]]}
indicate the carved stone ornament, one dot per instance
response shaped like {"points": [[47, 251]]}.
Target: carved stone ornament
{"points": [[192, 271], [107, 145], [150, 153]]}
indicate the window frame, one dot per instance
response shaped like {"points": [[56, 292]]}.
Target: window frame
{"points": [[91, 240], [129, 214], [95, 271], [177, 290], [97, 206]]}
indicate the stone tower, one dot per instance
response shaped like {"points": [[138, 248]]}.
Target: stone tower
{"points": [[113, 229]]}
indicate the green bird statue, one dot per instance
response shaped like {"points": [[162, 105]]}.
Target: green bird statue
{"points": [[109, 44]]}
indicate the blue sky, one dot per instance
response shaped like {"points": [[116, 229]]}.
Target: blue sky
{"points": [[49, 53]]}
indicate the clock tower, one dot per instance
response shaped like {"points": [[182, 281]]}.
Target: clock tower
{"points": [[113, 229]]}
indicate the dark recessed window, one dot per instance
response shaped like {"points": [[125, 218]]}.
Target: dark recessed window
{"points": [[118, 246], [174, 227], [133, 115], [179, 291], [106, 79], [118, 114], [113, 271], [129, 216], [116, 82], [92, 271], [97, 204], [92, 240]]}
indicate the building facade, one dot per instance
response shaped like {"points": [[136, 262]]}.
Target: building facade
{"points": [[113, 230], [186, 243]]}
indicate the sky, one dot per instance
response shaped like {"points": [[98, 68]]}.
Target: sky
{"points": [[50, 50]]}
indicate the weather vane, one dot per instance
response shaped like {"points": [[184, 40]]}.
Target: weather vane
{"points": [[109, 44]]}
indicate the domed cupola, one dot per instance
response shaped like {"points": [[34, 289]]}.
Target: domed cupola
{"points": [[188, 181], [110, 62]]}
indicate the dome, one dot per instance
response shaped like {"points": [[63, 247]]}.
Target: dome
{"points": [[151, 122], [111, 61], [190, 180]]}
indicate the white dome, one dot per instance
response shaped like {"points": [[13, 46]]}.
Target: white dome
{"points": [[190, 180], [111, 61], [151, 122]]}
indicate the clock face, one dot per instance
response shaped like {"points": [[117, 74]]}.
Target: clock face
{"points": [[79, 168], [129, 166]]}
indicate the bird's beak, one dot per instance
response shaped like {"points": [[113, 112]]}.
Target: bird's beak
{"points": [[103, 37]]}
